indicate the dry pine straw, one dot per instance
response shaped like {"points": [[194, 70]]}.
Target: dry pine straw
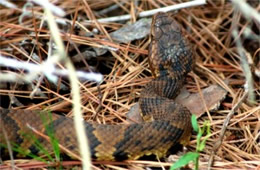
{"points": [[126, 71]]}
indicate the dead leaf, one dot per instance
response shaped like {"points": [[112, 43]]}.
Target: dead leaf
{"points": [[130, 32]]}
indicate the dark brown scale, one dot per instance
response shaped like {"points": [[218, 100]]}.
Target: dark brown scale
{"points": [[169, 52], [166, 122]]}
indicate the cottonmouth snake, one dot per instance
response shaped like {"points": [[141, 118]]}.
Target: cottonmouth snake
{"points": [[165, 122]]}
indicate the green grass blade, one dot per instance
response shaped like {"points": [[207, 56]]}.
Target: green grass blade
{"points": [[194, 123], [184, 160]]}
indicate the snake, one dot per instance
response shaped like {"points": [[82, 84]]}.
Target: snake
{"points": [[165, 122]]}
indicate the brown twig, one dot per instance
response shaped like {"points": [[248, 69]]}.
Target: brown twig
{"points": [[223, 129]]}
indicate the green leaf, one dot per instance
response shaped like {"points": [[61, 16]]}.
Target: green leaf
{"points": [[199, 135], [48, 123], [184, 160], [203, 143], [201, 146], [194, 123]]}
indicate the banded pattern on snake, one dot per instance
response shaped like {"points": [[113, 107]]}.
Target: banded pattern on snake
{"points": [[165, 122]]}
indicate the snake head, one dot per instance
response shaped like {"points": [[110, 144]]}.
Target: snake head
{"points": [[169, 53], [163, 23]]}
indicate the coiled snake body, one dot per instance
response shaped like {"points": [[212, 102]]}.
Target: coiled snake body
{"points": [[165, 122]]}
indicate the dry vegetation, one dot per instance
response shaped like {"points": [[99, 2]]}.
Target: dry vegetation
{"points": [[125, 69]]}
